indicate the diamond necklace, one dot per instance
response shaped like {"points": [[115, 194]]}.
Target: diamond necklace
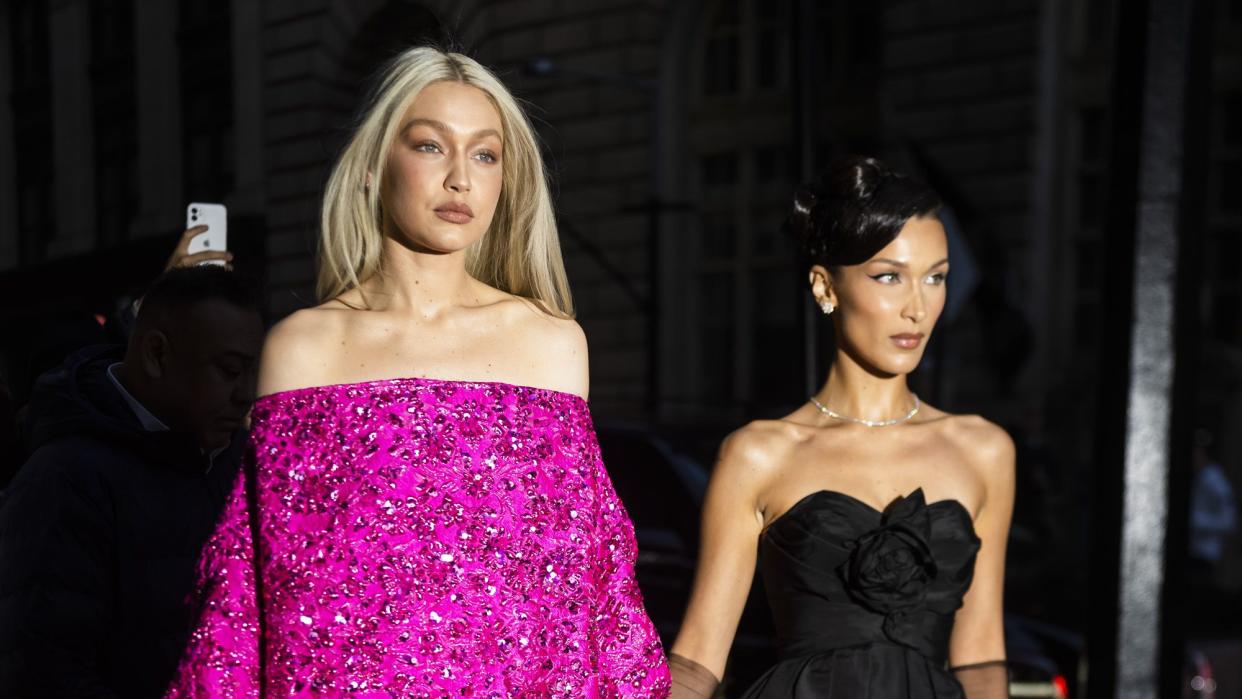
{"points": [[869, 423]]}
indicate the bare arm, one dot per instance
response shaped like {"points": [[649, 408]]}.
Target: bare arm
{"points": [[978, 640], [732, 522]]}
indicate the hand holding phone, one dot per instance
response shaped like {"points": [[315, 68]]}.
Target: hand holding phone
{"points": [[205, 240]]}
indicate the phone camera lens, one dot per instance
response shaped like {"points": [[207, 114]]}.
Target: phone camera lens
{"points": [[194, 218], [194, 210]]}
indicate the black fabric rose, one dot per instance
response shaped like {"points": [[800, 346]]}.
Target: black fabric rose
{"points": [[891, 566]]}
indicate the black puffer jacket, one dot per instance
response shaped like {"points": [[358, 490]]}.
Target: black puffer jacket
{"points": [[99, 538]]}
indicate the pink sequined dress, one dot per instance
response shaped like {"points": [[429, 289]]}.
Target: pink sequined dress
{"points": [[422, 538]]}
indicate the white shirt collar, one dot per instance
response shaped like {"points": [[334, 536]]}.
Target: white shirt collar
{"points": [[149, 421]]}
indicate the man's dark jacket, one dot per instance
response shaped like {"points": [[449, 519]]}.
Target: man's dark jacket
{"points": [[99, 539]]}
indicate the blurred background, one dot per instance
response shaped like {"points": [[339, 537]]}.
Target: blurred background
{"points": [[676, 133]]}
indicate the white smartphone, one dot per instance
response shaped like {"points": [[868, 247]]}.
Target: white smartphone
{"points": [[216, 237]]}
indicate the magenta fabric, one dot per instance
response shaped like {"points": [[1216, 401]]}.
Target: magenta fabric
{"points": [[422, 538]]}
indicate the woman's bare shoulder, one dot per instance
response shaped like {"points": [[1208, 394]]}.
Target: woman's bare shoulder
{"points": [[299, 349], [756, 453], [547, 349], [983, 444], [545, 326], [978, 435]]}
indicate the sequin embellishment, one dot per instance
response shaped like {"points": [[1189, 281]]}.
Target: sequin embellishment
{"points": [[422, 538]]}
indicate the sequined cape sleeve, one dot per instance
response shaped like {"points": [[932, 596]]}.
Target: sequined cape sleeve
{"points": [[222, 655], [423, 538]]}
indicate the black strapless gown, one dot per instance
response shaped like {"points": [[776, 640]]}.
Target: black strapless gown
{"points": [[863, 601]]}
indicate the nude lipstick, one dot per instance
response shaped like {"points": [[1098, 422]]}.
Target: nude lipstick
{"points": [[455, 212], [908, 341]]}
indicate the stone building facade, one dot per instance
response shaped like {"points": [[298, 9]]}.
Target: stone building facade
{"points": [[675, 132]]}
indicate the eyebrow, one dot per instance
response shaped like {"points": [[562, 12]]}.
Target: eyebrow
{"points": [[902, 265], [443, 128]]}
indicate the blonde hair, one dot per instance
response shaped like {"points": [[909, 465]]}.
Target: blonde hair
{"points": [[519, 254]]}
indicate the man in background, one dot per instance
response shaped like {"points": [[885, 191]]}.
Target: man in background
{"points": [[134, 450]]}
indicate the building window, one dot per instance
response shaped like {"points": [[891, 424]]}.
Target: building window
{"points": [[1087, 201], [1224, 220], [31, 102], [742, 294], [1231, 119], [744, 284], [745, 47], [771, 47], [1099, 19], [114, 114], [723, 51], [206, 98]]}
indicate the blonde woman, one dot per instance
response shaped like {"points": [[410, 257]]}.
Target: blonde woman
{"points": [[425, 512]]}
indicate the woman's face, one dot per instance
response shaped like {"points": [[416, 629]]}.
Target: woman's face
{"points": [[443, 176], [887, 306]]}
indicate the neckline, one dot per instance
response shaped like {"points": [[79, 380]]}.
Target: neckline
{"points": [[417, 381], [947, 502]]}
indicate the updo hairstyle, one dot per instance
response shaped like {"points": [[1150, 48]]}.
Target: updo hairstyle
{"points": [[853, 210]]}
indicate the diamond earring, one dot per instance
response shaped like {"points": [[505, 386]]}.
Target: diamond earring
{"points": [[827, 307]]}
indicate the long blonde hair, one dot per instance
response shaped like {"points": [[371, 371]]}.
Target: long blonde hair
{"points": [[519, 254]]}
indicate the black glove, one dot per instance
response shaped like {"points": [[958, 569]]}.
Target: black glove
{"points": [[690, 680], [989, 680]]}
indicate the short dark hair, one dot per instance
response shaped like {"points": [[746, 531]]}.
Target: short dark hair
{"points": [[182, 288], [855, 208]]}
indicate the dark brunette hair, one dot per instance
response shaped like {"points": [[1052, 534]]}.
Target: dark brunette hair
{"points": [[855, 208]]}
